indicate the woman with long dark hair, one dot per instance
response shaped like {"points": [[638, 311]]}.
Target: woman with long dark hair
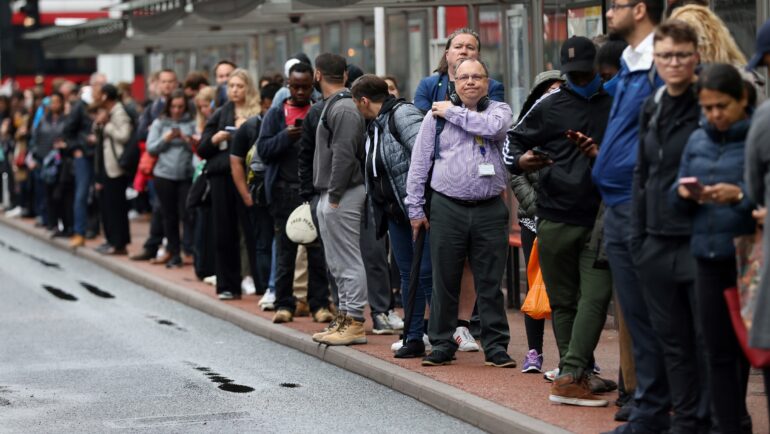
{"points": [[171, 139], [711, 188]]}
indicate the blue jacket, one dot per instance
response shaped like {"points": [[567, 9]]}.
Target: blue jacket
{"points": [[715, 157], [613, 170], [433, 88]]}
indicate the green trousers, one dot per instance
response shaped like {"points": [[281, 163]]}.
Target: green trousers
{"points": [[579, 293]]}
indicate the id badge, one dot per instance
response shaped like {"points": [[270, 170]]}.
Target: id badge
{"points": [[486, 169]]}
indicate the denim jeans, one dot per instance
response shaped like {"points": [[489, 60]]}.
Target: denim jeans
{"points": [[38, 188], [403, 250], [84, 175], [651, 413]]}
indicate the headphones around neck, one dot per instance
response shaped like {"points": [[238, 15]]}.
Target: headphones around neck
{"points": [[482, 105]]}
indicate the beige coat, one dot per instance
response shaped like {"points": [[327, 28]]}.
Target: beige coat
{"points": [[117, 131]]}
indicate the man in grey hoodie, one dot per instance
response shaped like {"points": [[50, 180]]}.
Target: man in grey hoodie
{"points": [[338, 176]]}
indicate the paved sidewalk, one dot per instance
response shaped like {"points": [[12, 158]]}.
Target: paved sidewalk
{"points": [[496, 400]]}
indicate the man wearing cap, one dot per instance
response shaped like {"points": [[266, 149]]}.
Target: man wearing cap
{"points": [[762, 54], [579, 286]]}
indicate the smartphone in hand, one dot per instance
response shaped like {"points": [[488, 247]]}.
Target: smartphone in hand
{"points": [[692, 185], [298, 123], [541, 153]]}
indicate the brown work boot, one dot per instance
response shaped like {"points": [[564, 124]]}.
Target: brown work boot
{"points": [[77, 240], [331, 328], [350, 332], [567, 390], [282, 316], [323, 315], [165, 257], [302, 308]]}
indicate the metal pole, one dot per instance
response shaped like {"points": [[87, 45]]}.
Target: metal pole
{"points": [[380, 41], [6, 192]]}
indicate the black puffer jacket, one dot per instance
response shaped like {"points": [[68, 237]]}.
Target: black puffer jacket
{"points": [[525, 189]]}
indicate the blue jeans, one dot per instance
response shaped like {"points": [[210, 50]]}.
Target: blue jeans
{"points": [[38, 188], [651, 413], [84, 175], [403, 249]]}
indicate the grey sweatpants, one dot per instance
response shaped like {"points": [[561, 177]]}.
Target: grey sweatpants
{"points": [[341, 235]]}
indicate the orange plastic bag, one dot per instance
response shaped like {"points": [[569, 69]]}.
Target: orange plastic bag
{"points": [[536, 305]]}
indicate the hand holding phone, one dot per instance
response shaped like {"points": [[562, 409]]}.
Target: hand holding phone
{"points": [[298, 123], [538, 151], [692, 187]]}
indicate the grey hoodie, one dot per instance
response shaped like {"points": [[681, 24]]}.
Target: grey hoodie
{"points": [[337, 165], [174, 157]]}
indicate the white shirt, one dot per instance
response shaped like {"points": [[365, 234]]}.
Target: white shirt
{"points": [[639, 58]]}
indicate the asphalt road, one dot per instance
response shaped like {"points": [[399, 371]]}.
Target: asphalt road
{"points": [[83, 350]]}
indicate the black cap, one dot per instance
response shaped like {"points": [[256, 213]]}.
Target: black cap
{"points": [[577, 54]]}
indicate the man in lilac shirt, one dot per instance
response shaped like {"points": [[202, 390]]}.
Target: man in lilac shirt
{"points": [[468, 218]]}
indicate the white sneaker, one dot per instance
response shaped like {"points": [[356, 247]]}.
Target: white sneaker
{"points": [[464, 339], [247, 286], [400, 343], [551, 375], [14, 213], [267, 302], [211, 280], [133, 214], [395, 321]]}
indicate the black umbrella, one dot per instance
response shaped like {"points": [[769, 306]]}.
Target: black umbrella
{"points": [[414, 280]]}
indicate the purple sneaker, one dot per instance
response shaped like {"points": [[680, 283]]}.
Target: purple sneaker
{"points": [[533, 362]]}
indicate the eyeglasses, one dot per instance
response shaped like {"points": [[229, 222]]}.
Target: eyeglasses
{"points": [[669, 56], [615, 6], [465, 77]]}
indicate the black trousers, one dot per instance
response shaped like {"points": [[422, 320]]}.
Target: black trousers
{"points": [[155, 240], [228, 212], [264, 231], [728, 366], [60, 198], [533, 327], [480, 235], [287, 199], [114, 210], [667, 275], [173, 195]]}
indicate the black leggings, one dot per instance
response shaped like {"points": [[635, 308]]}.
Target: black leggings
{"points": [[534, 327], [172, 196], [728, 366]]}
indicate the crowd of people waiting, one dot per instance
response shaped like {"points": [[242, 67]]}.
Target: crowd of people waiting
{"points": [[634, 167]]}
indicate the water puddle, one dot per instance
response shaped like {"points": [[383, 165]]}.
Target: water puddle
{"points": [[95, 290], [289, 385], [45, 262], [58, 293]]}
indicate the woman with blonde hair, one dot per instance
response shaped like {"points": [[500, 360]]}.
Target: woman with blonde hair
{"points": [[204, 106], [715, 44], [227, 207]]}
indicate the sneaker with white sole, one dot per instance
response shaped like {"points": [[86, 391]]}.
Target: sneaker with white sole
{"points": [[400, 343], [267, 302], [211, 280], [247, 286], [395, 321], [533, 362], [381, 325], [551, 375], [464, 339], [567, 389]]}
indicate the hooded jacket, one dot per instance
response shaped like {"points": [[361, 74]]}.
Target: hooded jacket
{"points": [[713, 156], [175, 156], [565, 191], [393, 150]]}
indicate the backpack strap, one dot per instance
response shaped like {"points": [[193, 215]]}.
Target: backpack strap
{"points": [[324, 121]]}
